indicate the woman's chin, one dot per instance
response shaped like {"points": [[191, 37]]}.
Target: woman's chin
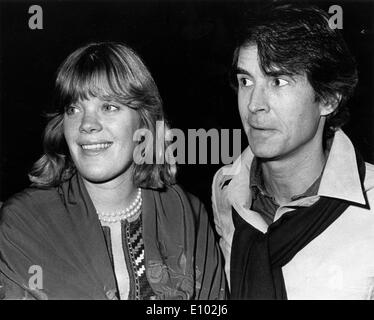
{"points": [[97, 176]]}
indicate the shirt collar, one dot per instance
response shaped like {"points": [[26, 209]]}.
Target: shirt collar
{"points": [[256, 181], [238, 190], [257, 184], [340, 177]]}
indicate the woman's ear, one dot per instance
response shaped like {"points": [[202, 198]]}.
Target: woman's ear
{"points": [[330, 104]]}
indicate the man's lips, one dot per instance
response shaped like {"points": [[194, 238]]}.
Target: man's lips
{"points": [[261, 131], [255, 127]]}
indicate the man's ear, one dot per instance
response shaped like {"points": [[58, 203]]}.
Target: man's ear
{"points": [[330, 104]]}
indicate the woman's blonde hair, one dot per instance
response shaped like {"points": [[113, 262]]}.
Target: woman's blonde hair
{"points": [[105, 70]]}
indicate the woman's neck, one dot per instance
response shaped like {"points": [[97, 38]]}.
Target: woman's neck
{"points": [[112, 196]]}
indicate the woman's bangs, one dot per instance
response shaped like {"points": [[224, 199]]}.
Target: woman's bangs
{"points": [[99, 82]]}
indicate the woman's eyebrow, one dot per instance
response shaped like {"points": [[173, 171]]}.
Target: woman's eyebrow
{"points": [[70, 104]]}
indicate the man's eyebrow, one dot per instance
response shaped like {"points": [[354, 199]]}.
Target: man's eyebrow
{"points": [[279, 73], [239, 70]]}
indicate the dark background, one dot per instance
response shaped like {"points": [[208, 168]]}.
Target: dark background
{"points": [[187, 45]]}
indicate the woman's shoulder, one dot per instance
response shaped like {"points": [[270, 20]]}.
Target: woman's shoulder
{"points": [[175, 201], [29, 200], [178, 192]]}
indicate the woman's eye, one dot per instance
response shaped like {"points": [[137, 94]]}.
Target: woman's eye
{"points": [[278, 82], [110, 107], [245, 82], [70, 110]]}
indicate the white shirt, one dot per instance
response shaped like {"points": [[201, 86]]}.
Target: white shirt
{"points": [[339, 263]]}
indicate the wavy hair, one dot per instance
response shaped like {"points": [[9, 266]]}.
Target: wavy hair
{"points": [[105, 70]]}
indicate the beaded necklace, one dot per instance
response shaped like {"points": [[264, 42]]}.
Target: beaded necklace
{"points": [[130, 211]]}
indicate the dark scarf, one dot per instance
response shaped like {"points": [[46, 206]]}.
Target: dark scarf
{"points": [[257, 258]]}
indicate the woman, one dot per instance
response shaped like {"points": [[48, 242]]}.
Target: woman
{"points": [[95, 224]]}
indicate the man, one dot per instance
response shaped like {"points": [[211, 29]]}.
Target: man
{"points": [[296, 217]]}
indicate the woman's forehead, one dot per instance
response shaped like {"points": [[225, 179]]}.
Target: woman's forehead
{"points": [[97, 89]]}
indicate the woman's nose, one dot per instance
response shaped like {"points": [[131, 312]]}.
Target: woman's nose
{"points": [[90, 123]]}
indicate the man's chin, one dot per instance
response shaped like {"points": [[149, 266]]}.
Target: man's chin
{"points": [[264, 152]]}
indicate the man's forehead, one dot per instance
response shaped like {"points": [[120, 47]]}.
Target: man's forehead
{"points": [[248, 59], [249, 63]]}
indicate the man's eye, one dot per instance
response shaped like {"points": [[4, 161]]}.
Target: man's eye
{"points": [[245, 82], [278, 82], [110, 107]]}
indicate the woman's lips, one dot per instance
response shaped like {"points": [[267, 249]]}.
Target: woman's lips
{"points": [[95, 148]]}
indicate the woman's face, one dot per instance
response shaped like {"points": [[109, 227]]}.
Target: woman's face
{"points": [[99, 135]]}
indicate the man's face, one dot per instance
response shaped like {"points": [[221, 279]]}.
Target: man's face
{"points": [[279, 113]]}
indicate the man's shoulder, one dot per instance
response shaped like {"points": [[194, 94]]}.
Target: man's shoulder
{"points": [[175, 200], [179, 193], [221, 181], [221, 198], [369, 181]]}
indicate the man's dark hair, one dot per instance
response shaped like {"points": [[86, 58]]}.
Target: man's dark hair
{"points": [[297, 39]]}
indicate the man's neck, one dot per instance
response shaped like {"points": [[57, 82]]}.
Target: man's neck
{"points": [[293, 175]]}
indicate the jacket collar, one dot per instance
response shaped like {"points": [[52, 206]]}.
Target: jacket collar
{"points": [[340, 178]]}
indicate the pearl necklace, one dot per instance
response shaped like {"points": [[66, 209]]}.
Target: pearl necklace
{"points": [[130, 211]]}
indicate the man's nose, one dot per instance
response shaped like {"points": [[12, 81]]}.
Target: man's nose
{"points": [[90, 123], [258, 99]]}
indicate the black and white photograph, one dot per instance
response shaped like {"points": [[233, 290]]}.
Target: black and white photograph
{"points": [[203, 150]]}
